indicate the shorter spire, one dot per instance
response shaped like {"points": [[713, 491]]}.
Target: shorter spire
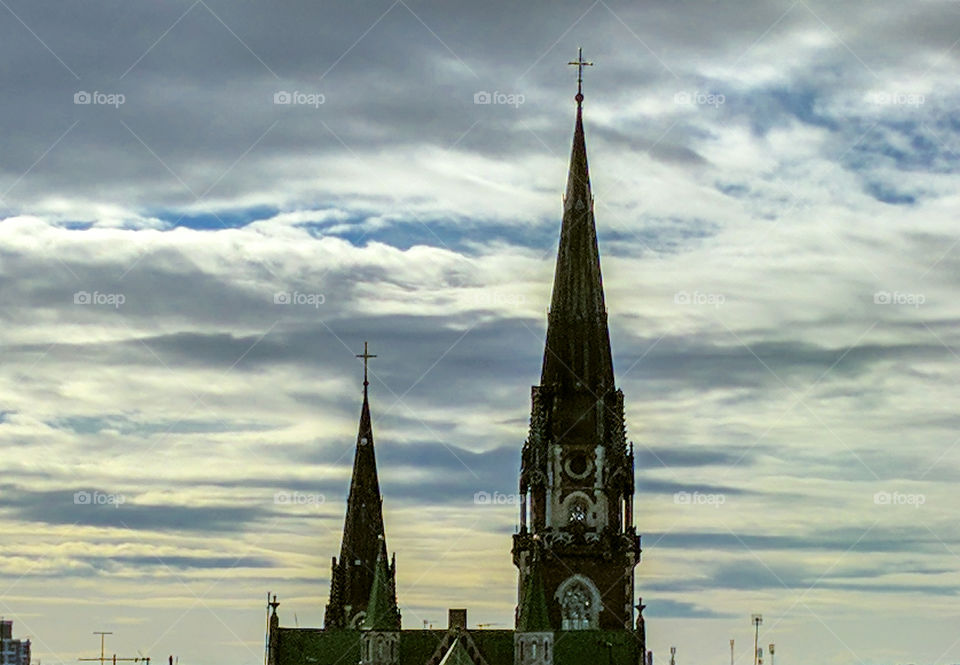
{"points": [[382, 611], [363, 529]]}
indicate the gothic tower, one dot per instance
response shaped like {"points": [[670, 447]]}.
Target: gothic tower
{"points": [[576, 476], [352, 578]]}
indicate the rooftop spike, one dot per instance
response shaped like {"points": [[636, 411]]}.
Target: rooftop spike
{"points": [[382, 611], [533, 617]]}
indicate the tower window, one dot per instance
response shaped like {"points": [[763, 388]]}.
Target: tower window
{"points": [[576, 607], [578, 512]]}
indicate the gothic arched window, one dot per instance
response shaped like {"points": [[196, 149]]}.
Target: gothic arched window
{"points": [[576, 605], [578, 512]]}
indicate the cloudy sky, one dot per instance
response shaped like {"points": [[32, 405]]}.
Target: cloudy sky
{"points": [[207, 207]]}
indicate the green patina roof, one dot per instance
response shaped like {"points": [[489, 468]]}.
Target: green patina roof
{"points": [[417, 646], [457, 654], [304, 646], [588, 647], [495, 645], [382, 608], [533, 612]]}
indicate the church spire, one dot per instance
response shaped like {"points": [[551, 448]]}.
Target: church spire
{"points": [[578, 342], [363, 542], [576, 473]]}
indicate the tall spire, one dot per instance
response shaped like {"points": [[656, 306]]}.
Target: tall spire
{"points": [[576, 473], [363, 542], [578, 341]]}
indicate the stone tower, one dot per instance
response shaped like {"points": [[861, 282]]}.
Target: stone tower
{"points": [[576, 476]]}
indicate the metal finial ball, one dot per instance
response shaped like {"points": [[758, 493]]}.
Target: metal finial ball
{"points": [[579, 97]]}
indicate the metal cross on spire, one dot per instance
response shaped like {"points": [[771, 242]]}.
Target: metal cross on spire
{"points": [[580, 63], [366, 356]]}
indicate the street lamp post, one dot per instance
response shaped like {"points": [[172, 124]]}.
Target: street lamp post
{"points": [[757, 619]]}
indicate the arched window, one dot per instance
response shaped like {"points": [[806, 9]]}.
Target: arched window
{"points": [[578, 512], [579, 604]]}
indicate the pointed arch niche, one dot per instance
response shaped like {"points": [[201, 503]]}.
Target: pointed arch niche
{"points": [[579, 604]]}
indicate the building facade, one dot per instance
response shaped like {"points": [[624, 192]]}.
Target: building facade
{"points": [[12, 652], [576, 548]]}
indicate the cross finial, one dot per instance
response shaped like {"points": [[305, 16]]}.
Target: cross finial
{"points": [[366, 356], [580, 63]]}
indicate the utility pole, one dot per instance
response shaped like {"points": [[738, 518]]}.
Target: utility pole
{"points": [[731, 652], [757, 619]]}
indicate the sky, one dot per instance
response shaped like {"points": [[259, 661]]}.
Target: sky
{"points": [[207, 207]]}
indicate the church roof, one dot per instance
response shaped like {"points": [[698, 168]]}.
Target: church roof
{"points": [[578, 342], [457, 654], [296, 646], [382, 612]]}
